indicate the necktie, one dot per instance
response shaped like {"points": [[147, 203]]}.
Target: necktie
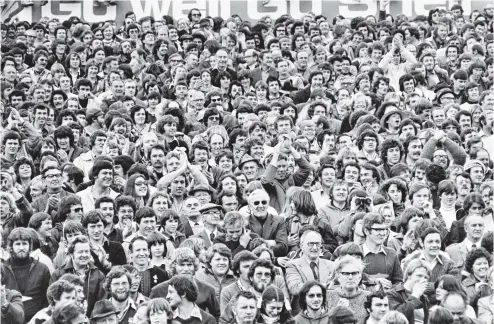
{"points": [[313, 266], [211, 236]]}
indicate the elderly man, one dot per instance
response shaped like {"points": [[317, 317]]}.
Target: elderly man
{"points": [[185, 262], [456, 302], [269, 227], [211, 216], [309, 266], [474, 228]]}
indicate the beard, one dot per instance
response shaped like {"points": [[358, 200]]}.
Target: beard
{"points": [[120, 297], [20, 256]]}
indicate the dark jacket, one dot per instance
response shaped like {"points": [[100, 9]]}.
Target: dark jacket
{"points": [[457, 231], [94, 283], [36, 286], [273, 228], [405, 303], [13, 313], [116, 255], [20, 219], [206, 299], [234, 246]]}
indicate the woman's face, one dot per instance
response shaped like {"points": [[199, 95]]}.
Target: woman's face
{"points": [[158, 318], [25, 171], [99, 56], [157, 250], [440, 292], [108, 33], [480, 267], [349, 276], [273, 308], [160, 205], [140, 117], [140, 187], [171, 225], [219, 264]]}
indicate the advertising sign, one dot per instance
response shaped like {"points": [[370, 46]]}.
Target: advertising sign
{"points": [[250, 10]]}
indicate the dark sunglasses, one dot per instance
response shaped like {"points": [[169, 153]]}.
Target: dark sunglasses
{"points": [[263, 202], [214, 118]]}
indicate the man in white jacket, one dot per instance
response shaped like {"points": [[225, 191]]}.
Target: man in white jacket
{"points": [[390, 63]]}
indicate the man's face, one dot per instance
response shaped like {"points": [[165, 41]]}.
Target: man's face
{"points": [[314, 298], [464, 185], [157, 158], [140, 252], [191, 208], [120, 288], [261, 278], [20, 250], [108, 211], [52, 179], [302, 59], [245, 310], [259, 203], [377, 233], [379, 308], [250, 169], [456, 305], [173, 297], [432, 244], [475, 228], [311, 246], [82, 254], [12, 146], [105, 178], [229, 203], [393, 155], [476, 175], [96, 231], [415, 149], [41, 116]]}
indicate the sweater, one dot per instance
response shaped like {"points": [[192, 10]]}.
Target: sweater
{"points": [[302, 318], [355, 301], [206, 319], [36, 285], [206, 276]]}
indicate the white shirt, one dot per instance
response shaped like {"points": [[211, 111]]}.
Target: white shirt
{"points": [[197, 227]]}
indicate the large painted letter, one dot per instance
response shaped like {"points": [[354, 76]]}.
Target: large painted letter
{"points": [[345, 11], [151, 8], [279, 6], [296, 13]]}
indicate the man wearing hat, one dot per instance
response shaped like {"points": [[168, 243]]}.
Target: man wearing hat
{"points": [[250, 167], [102, 173], [95, 119], [476, 170], [104, 312], [445, 96], [202, 192], [211, 216]]}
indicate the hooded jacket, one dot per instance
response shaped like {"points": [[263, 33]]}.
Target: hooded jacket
{"points": [[302, 318]]}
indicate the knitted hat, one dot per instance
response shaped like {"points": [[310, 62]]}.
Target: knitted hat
{"points": [[442, 92], [101, 165], [342, 314], [472, 164], [272, 293], [460, 75]]}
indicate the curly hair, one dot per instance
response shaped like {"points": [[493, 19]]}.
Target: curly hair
{"points": [[400, 184], [222, 250], [389, 144], [116, 272], [66, 312], [475, 254]]}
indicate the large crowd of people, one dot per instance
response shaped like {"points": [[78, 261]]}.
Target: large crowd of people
{"points": [[200, 170]]}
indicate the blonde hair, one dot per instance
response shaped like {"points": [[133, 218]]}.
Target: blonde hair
{"points": [[393, 317]]}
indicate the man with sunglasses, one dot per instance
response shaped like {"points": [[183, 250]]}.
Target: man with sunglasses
{"points": [[269, 227]]}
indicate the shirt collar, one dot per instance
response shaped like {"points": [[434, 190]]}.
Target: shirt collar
{"points": [[437, 259], [366, 250], [196, 312]]}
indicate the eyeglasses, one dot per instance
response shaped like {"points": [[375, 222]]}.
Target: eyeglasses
{"points": [[53, 176], [212, 213], [214, 118], [380, 230], [314, 244], [265, 274], [442, 157], [216, 100], [196, 15], [263, 202], [348, 274]]}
